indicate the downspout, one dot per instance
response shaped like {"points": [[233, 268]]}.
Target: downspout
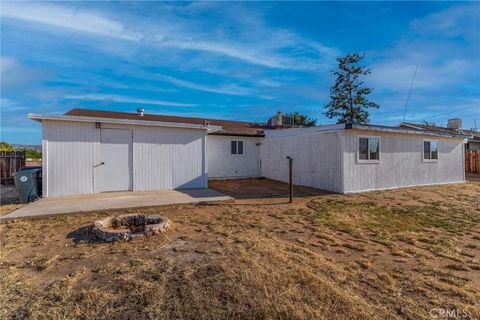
{"points": [[205, 160], [342, 137], [44, 161], [463, 160], [259, 164]]}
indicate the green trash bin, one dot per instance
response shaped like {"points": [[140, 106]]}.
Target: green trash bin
{"points": [[27, 182]]}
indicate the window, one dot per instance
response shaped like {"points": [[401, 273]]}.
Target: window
{"points": [[430, 150], [369, 149], [236, 147]]}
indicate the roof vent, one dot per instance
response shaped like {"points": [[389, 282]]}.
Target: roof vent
{"points": [[280, 120], [140, 111], [455, 123]]}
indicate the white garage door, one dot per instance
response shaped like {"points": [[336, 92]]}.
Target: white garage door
{"points": [[116, 155]]}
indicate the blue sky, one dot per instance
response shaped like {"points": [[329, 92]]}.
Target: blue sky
{"points": [[241, 61]]}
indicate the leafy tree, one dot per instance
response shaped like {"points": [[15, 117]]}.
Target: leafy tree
{"points": [[348, 102], [303, 120], [32, 154], [6, 147]]}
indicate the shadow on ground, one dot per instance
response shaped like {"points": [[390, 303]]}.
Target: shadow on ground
{"points": [[83, 235], [475, 177], [261, 188]]}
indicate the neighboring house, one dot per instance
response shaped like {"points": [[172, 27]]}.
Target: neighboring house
{"points": [[453, 126], [90, 151]]}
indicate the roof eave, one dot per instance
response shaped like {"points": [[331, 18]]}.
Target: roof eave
{"points": [[237, 134], [413, 126], [404, 130], [40, 118]]}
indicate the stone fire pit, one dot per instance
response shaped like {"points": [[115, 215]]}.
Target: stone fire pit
{"points": [[129, 226]]}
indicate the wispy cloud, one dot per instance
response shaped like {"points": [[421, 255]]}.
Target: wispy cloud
{"points": [[444, 62], [267, 47], [396, 74], [86, 79], [236, 60], [7, 105], [448, 63], [16, 75], [232, 50], [221, 89], [460, 20], [7, 64], [68, 18], [123, 99]]}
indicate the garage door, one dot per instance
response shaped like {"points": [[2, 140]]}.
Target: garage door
{"points": [[116, 155]]}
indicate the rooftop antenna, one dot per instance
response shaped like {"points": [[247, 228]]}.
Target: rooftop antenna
{"points": [[409, 93]]}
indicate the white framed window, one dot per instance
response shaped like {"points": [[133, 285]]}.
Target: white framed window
{"points": [[368, 149], [237, 147], [430, 150]]}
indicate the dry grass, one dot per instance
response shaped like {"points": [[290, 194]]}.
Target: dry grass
{"points": [[381, 255], [7, 208]]}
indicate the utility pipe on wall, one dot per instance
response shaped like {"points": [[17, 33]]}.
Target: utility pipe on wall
{"points": [[290, 179]]}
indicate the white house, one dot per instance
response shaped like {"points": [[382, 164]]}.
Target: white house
{"points": [[91, 151], [354, 158]]}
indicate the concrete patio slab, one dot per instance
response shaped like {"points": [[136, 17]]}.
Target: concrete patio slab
{"points": [[114, 200]]}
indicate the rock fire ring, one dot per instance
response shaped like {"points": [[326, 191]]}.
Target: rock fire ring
{"points": [[129, 226]]}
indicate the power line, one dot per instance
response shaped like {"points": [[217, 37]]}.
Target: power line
{"points": [[409, 93], [451, 111]]}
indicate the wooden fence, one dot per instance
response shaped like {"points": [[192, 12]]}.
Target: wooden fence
{"points": [[10, 162], [472, 161]]}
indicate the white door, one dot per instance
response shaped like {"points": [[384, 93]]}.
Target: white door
{"points": [[116, 155]]}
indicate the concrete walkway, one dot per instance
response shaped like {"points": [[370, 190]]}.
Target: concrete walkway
{"points": [[114, 200]]}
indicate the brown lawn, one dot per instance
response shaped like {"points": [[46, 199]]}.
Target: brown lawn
{"points": [[380, 255]]}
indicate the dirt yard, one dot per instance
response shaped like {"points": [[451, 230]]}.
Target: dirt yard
{"points": [[403, 254]]}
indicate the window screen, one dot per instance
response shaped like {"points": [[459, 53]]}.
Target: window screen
{"points": [[434, 148], [374, 149]]}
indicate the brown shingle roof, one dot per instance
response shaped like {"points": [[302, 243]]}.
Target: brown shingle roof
{"points": [[229, 127]]}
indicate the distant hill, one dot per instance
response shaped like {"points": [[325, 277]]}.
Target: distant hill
{"points": [[36, 147]]}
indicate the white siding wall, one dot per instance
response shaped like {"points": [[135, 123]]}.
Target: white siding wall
{"points": [[223, 164], [70, 151], [163, 158], [168, 158], [317, 158], [401, 162]]}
